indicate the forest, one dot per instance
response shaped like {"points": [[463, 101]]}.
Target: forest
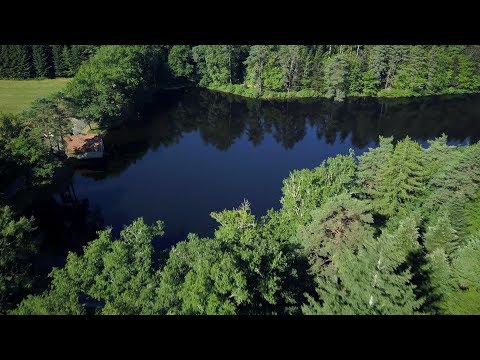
{"points": [[331, 71], [393, 231], [42, 61]]}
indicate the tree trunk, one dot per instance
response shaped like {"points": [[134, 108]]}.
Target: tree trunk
{"points": [[230, 65]]}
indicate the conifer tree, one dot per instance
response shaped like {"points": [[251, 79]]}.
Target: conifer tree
{"points": [[440, 281], [441, 235], [41, 61], [371, 280], [67, 61], [21, 62], [412, 74], [77, 56], [58, 64], [331, 228], [401, 178], [4, 71], [466, 264], [438, 154], [336, 76], [369, 164]]}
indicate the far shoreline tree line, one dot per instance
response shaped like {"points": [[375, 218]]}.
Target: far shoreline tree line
{"points": [[42, 61]]}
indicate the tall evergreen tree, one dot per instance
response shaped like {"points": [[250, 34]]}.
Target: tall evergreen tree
{"points": [[67, 61], [441, 235], [331, 230], [21, 62], [4, 62], [412, 74], [370, 280], [41, 61], [336, 76], [401, 178], [440, 281], [58, 64], [369, 164]]}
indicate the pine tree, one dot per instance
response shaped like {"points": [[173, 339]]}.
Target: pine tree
{"points": [[412, 74], [9, 61], [440, 69], [336, 76], [356, 75], [20, 62], [466, 265], [466, 80], [369, 165], [331, 229], [317, 71], [67, 61], [465, 298], [401, 178], [372, 280], [438, 154], [441, 235], [455, 184], [378, 63], [440, 281], [77, 56], [3, 62], [58, 64], [41, 61]]}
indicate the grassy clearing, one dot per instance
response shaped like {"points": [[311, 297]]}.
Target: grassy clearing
{"points": [[17, 95]]}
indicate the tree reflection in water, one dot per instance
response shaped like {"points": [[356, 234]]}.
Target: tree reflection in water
{"points": [[221, 119]]}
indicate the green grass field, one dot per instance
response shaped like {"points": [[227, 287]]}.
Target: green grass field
{"points": [[17, 95]]}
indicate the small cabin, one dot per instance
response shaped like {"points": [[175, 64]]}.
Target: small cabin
{"points": [[80, 146]]}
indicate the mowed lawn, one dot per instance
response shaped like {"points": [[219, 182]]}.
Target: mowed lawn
{"points": [[17, 95]]}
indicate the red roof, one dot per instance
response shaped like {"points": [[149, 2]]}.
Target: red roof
{"points": [[76, 144]]}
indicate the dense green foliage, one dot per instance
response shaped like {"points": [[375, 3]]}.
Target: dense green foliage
{"points": [[17, 245], [42, 61], [116, 78], [349, 238], [394, 231], [24, 152], [333, 71]]}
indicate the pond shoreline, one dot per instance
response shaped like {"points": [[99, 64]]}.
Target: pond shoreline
{"points": [[297, 95]]}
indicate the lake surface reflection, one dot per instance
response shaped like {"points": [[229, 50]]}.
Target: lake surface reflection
{"points": [[196, 151]]}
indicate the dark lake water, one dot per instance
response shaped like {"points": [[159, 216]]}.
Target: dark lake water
{"points": [[195, 151]]}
